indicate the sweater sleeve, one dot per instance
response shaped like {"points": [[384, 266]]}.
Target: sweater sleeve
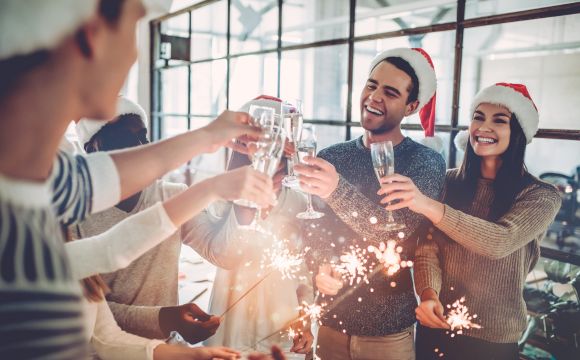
{"points": [[110, 342], [215, 234], [529, 216], [427, 269], [359, 212], [104, 253]]}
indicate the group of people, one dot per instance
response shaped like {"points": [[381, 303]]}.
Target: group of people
{"points": [[100, 217]]}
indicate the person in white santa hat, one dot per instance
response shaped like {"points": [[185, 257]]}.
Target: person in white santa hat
{"points": [[63, 60], [377, 320], [486, 232], [241, 259]]}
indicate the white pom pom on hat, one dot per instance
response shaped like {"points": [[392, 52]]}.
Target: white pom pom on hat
{"points": [[87, 128]]}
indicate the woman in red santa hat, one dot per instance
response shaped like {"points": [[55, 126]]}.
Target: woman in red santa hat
{"points": [[485, 234]]}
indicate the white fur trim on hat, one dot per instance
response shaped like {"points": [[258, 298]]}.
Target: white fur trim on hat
{"points": [[461, 140], [516, 102], [27, 26], [423, 70], [86, 128]]}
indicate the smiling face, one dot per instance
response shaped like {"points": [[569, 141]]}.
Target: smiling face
{"points": [[489, 131], [383, 100]]}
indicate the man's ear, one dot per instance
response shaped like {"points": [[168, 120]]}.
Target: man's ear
{"points": [[87, 38], [411, 107]]}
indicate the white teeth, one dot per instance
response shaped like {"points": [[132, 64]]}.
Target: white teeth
{"points": [[374, 111], [486, 140]]}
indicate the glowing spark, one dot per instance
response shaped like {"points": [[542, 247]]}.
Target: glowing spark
{"points": [[389, 255], [353, 265], [459, 318], [373, 220], [280, 258], [292, 333], [313, 311]]}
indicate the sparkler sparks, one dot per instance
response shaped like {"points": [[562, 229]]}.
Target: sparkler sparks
{"points": [[353, 266], [459, 318], [280, 258], [312, 311], [389, 255]]}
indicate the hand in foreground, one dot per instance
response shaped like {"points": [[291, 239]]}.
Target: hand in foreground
{"points": [[189, 320], [430, 311], [317, 176], [403, 189], [174, 352], [245, 183], [328, 281], [302, 342], [276, 354], [229, 125]]}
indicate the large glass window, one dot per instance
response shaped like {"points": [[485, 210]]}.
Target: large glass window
{"points": [[319, 51]]}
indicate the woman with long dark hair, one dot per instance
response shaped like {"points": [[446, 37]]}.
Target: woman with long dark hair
{"points": [[485, 234]]}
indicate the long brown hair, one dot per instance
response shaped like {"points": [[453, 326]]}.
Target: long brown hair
{"points": [[511, 178], [94, 287]]}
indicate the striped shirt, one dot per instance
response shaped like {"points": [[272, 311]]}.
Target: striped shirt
{"points": [[40, 302]]}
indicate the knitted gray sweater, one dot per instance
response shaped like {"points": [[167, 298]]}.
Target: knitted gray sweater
{"points": [[487, 262], [382, 309]]}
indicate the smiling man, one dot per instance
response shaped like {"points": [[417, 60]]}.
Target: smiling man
{"points": [[376, 321]]}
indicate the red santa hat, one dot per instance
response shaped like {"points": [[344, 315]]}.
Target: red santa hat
{"points": [[87, 128], [517, 99], [422, 64], [264, 100]]}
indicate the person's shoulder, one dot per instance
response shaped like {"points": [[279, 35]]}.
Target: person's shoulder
{"points": [[541, 188], [427, 158]]}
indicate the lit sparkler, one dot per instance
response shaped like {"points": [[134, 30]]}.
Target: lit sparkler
{"points": [[353, 266], [389, 255], [459, 318], [280, 258]]}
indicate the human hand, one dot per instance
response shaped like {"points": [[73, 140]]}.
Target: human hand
{"points": [[174, 352], [317, 176], [303, 340], [327, 280], [245, 183], [403, 189], [189, 320], [228, 126], [430, 311]]}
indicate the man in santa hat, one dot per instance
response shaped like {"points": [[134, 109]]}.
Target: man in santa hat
{"points": [[377, 320], [63, 60]]}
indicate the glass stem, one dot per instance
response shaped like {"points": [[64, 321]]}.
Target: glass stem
{"points": [[309, 207]]}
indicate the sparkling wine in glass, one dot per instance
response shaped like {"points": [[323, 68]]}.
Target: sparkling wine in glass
{"points": [[383, 157], [292, 120], [307, 147]]}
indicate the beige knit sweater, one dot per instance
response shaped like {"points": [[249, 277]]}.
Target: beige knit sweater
{"points": [[487, 262]]}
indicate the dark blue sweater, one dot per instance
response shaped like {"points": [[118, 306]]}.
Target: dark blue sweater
{"points": [[384, 309]]}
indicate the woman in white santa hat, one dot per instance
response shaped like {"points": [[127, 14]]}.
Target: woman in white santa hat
{"points": [[485, 234]]}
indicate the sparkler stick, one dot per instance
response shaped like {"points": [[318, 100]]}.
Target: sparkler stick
{"points": [[246, 293]]}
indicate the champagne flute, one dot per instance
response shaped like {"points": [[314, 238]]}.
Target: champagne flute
{"points": [[307, 147], [266, 160], [292, 120], [383, 157], [262, 117]]}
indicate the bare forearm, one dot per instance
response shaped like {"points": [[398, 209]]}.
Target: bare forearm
{"points": [[191, 202], [138, 167]]}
